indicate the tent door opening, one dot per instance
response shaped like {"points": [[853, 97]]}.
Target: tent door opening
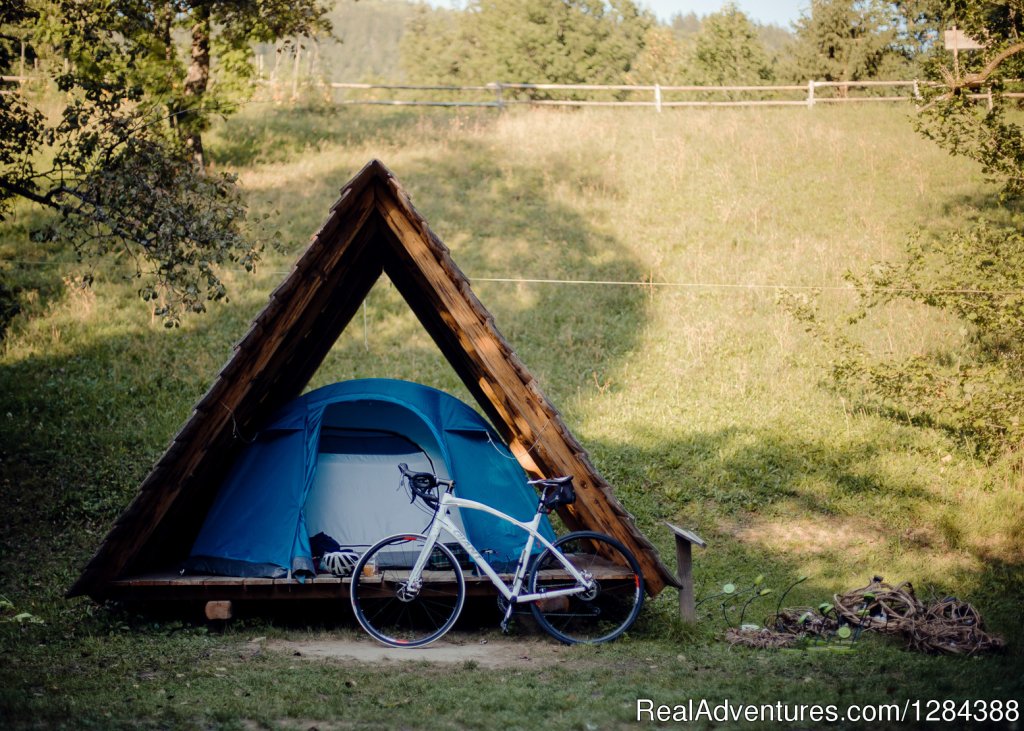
{"points": [[357, 497]]}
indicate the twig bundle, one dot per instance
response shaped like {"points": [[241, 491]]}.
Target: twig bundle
{"points": [[952, 626], [948, 625], [800, 621], [881, 607], [762, 638]]}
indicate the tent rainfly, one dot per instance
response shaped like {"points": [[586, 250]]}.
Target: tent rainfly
{"points": [[328, 463], [372, 229]]}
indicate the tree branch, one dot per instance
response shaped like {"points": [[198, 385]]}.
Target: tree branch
{"points": [[45, 199]]}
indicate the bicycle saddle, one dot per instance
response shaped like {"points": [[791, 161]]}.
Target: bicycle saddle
{"points": [[552, 481], [561, 492]]}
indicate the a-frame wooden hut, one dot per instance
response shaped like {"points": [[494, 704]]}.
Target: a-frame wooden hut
{"points": [[372, 229]]}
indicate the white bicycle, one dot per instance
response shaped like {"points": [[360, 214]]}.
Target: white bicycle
{"points": [[408, 589]]}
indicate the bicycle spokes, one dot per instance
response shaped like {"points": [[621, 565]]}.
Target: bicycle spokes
{"points": [[610, 603], [403, 612]]}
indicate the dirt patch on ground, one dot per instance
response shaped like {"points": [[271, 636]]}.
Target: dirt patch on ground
{"points": [[810, 536], [489, 653], [854, 539]]}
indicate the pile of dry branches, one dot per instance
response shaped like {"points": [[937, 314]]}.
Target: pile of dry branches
{"points": [[761, 638], [947, 625]]}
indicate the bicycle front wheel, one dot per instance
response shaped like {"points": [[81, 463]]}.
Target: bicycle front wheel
{"points": [[394, 610], [599, 614]]}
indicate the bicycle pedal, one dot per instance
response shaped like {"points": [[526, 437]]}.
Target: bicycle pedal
{"points": [[509, 611]]}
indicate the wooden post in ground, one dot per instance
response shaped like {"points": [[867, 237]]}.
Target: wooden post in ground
{"points": [[684, 570]]}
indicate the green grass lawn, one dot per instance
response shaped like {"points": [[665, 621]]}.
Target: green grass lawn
{"points": [[697, 396]]}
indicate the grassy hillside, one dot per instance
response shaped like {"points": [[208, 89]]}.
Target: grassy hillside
{"points": [[697, 396]]}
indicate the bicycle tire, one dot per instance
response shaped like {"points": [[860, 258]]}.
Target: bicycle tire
{"points": [[601, 615], [387, 611]]}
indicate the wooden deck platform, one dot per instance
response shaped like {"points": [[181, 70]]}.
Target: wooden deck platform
{"points": [[170, 585]]}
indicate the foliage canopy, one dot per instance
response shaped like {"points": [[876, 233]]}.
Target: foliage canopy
{"points": [[728, 50], [540, 41], [851, 40], [116, 153]]}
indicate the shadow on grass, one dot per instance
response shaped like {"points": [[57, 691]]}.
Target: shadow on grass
{"points": [[81, 423], [771, 503], [84, 420]]}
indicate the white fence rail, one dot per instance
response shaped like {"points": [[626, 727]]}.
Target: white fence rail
{"points": [[656, 96], [500, 95]]}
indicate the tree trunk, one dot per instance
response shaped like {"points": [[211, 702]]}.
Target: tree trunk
{"points": [[166, 20], [273, 71], [196, 80], [295, 69]]}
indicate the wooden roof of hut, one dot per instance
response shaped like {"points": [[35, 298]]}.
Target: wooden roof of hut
{"points": [[372, 229]]}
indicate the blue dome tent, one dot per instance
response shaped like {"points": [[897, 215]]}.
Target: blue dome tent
{"points": [[327, 462]]}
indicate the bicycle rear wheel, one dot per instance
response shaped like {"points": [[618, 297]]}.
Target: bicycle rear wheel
{"points": [[600, 614], [399, 614]]}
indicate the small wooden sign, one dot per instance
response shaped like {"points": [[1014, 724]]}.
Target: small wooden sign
{"points": [[957, 40], [684, 562], [686, 534]]}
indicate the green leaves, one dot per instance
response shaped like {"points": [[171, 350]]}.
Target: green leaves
{"points": [[537, 41], [977, 275], [975, 391], [729, 50], [9, 614], [118, 162], [850, 40]]}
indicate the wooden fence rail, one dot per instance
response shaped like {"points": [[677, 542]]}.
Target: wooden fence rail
{"points": [[508, 94], [500, 95], [504, 94], [799, 94]]}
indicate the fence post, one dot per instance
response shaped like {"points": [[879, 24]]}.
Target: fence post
{"points": [[810, 93], [988, 98], [498, 98], [657, 97], [917, 90]]}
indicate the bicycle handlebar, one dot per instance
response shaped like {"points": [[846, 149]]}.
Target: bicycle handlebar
{"points": [[555, 492]]}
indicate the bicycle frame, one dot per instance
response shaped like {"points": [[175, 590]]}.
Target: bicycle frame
{"points": [[442, 521]]}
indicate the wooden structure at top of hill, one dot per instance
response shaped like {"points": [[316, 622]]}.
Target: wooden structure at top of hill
{"points": [[372, 229]]}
